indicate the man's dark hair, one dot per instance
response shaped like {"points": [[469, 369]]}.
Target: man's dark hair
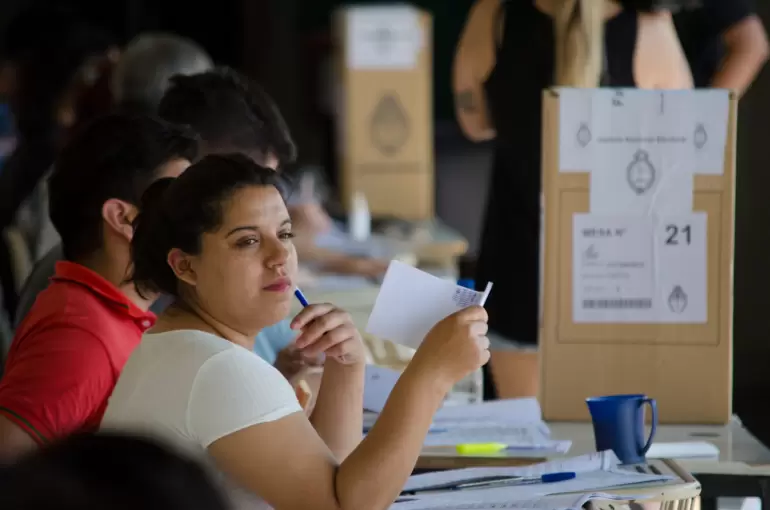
{"points": [[115, 156], [230, 113], [100, 471]]}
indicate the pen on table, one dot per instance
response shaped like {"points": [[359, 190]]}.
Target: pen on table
{"points": [[524, 480], [431, 430], [495, 481]]}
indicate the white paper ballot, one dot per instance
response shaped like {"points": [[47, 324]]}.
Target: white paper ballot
{"points": [[378, 383], [411, 302]]}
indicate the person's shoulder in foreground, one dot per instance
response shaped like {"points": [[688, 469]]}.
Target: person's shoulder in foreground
{"points": [[69, 350]]}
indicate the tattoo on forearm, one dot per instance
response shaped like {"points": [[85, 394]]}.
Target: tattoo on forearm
{"points": [[466, 101]]}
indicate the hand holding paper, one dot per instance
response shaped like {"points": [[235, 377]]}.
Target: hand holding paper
{"points": [[455, 347], [411, 302]]}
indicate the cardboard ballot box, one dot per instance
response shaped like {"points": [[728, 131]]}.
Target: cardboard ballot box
{"points": [[385, 109], [638, 236]]}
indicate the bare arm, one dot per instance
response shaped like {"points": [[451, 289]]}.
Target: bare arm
{"points": [[474, 60], [747, 51], [14, 441], [337, 415], [660, 62], [292, 455]]}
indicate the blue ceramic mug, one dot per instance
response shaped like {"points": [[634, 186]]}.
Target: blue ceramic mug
{"points": [[619, 425]]}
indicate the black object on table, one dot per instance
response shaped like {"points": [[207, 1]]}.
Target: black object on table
{"points": [[715, 486]]}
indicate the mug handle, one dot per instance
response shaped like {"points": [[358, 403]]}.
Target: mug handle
{"points": [[654, 421]]}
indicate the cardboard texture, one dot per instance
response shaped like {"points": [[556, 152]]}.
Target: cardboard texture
{"points": [[687, 368], [385, 109]]}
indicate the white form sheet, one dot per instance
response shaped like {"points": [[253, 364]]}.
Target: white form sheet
{"points": [[412, 301]]}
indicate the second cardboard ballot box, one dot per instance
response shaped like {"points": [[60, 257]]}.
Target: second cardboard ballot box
{"points": [[638, 250], [384, 108]]}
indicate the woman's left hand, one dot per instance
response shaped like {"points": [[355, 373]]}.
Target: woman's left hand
{"points": [[325, 329]]}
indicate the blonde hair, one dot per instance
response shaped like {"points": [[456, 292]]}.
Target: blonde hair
{"points": [[579, 27]]}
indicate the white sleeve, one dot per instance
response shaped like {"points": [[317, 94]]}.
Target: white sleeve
{"points": [[236, 389]]}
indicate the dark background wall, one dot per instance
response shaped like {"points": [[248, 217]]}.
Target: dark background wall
{"points": [[752, 260]]}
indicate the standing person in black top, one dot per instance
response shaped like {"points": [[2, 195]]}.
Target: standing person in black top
{"points": [[508, 53], [725, 43]]}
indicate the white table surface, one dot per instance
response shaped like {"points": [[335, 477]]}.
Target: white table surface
{"points": [[735, 443]]}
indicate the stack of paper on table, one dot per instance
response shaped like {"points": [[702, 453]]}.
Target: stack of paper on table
{"points": [[486, 501], [595, 472], [516, 423], [683, 450]]}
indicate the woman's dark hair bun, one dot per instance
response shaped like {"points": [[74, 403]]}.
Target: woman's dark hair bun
{"points": [[149, 227]]}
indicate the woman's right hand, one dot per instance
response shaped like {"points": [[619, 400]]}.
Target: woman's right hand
{"points": [[456, 346]]}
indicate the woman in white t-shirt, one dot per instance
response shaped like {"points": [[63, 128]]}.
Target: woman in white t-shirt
{"points": [[218, 238]]}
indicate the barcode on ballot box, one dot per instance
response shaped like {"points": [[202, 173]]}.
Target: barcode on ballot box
{"points": [[617, 303]]}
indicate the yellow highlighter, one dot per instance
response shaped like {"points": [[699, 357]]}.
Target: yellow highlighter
{"points": [[480, 448]]}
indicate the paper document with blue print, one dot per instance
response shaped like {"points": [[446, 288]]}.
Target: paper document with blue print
{"points": [[612, 264], [640, 269], [674, 127], [411, 302]]}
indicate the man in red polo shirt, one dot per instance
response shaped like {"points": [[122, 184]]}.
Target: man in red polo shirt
{"points": [[69, 350]]}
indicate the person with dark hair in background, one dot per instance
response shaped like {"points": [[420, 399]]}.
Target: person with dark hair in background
{"points": [[233, 114], [67, 353], [136, 86], [146, 66], [219, 238], [107, 471], [725, 43], [52, 55]]}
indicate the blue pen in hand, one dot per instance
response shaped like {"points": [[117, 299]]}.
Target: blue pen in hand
{"points": [[304, 302], [300, 297]]}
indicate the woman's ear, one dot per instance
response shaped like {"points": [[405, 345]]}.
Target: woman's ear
{"points": [[119, 216], [181, 264]]}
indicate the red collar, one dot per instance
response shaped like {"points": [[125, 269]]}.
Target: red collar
{"points": [[75, 273]]}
